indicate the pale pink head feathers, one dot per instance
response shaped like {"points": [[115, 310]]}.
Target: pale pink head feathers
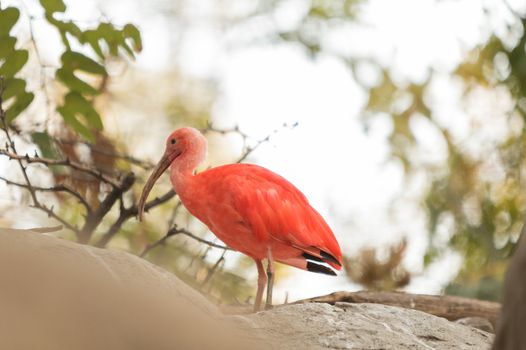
{"points": [[185, 150]]}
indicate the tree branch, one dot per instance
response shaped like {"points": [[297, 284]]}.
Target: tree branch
{"points": [[56, 188], [50, 213], [247, 149], [447, 306], [175, 231], [143, 164], [29, 186], [62, 162], [94, 219], [212, 270], [127, 213]]}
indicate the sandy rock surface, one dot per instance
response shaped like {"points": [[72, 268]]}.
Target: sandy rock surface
{"points": [[56, 294], [365, 326]]}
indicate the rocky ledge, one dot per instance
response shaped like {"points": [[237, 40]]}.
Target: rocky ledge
{"points": [[56, 294]]}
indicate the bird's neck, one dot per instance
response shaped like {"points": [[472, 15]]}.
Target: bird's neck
{"points": [[182, 171], [183, 167], [180, 177]]}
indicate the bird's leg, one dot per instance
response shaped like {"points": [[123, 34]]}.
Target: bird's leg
{"points": [[270, 280], [262, 280]]}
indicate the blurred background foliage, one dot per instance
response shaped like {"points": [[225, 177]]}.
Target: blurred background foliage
{"points": [[479, 193], [474, 194]]}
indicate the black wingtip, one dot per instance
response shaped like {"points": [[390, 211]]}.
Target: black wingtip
{"points": [[312, 257], [313, 267], [330, 258]]}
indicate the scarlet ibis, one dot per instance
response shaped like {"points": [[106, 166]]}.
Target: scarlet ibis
{"points": [[249, 208]]}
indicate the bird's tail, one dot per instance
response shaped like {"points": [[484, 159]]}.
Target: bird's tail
{"points": [[314, 259]]}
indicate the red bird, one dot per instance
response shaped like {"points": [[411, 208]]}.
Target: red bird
{"points": [[250, 208]]}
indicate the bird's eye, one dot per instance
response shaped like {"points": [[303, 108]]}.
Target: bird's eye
{"points": [[173, 141]]}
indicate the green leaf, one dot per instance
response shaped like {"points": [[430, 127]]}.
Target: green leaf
{"points": [[8, 18], [115, 39], [13, 87], [130, 31], [93, 38], [52, 6], [75, 105], [13, 63], [64, 26], [112, 37], [72, 121], [75, 60], [59, 25], [72, 29], [22, 102], [7, 46], [128, 49], [107, 31], [75, 84], [79, 104], [45, 144]]}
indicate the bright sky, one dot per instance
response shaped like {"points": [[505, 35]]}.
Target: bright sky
{"points": [[346, 174]]}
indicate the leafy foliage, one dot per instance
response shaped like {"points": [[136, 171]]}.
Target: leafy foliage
{"points": [[13, 60], [482, 196], [84, 77], [95, 192]]}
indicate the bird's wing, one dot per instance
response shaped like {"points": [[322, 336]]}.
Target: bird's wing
{"points": [[275, 209]]}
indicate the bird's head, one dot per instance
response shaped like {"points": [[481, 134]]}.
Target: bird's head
{"points": [[187, 147]]}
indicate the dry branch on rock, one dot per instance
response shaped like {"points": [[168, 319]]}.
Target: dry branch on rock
{"points": [[447, 306]]}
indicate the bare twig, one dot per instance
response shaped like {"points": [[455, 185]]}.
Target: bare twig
{"points": [[250, 149], [247, 148], [210, 127], [47, 229], [50, 213], [10, 142], [141, 163], [62, 162], [11, 145], [194, 258], [171, 221], [155, 202], [175, 231], [127, 213], [202, 240], [56, 188], [114, 228], [43, 66], [212, 270], [95, 218]]}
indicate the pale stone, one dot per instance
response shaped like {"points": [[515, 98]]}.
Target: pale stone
{"points": [[56, 294]]}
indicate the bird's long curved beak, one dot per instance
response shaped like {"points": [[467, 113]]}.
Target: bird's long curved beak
{"points": [[159, 169]]}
